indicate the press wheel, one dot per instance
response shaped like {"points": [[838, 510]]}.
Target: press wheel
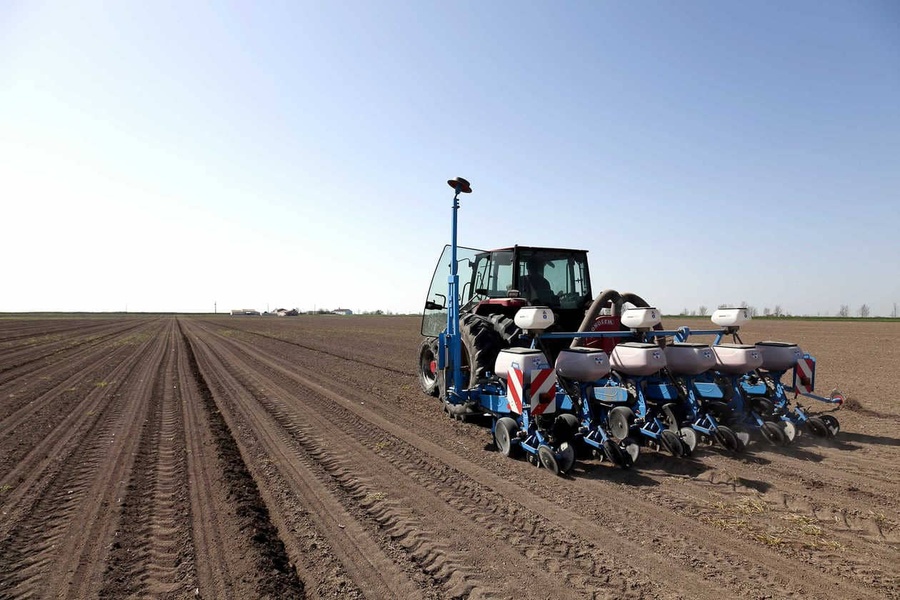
{"points": [[832, 424], [548, 459], [817, 426], [726, 438], [773, 433], [565, 457], [671, 443]]}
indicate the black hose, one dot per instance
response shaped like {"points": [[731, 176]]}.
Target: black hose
{"points": [[599, 302]]}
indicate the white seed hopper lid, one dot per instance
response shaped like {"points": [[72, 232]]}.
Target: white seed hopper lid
{"points": [[731, 317], [534, 318], [640, 318]]}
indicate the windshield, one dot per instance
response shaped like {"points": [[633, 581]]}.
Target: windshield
{"points": [[434, 318]]}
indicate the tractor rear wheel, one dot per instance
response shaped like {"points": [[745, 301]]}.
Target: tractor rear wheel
{"points": [[507, 329], [479, 347], [427, 366]]}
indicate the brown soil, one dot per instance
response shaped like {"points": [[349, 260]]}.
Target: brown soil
{"points": [[249, 457]]}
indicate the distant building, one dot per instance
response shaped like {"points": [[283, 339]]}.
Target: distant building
{"points": [[342, 311], [283, 312], [244, 311]]}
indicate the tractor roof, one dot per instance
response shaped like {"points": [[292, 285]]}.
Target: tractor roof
{"points": [[536, 248]]}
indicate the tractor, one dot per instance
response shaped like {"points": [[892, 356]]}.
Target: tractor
{"points": [[494, 323]]}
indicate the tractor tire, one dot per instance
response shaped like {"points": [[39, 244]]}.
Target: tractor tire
{"points": [[427, 366], [480, 345], [507, 329]]}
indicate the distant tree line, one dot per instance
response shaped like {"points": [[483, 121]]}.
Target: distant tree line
{"points": [[864, 311]]}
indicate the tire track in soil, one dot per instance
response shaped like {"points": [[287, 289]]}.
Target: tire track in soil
{"points": [[153, 554], [275, 576], [59, 543], [325, 352], [770, 569]]}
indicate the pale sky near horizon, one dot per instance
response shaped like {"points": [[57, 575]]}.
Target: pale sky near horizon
{"points": [[176, 156]]}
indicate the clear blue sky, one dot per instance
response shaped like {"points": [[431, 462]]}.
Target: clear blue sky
{"points": [[166, 156]]}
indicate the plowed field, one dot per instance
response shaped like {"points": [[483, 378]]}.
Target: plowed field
{"points": [[248, 457]]}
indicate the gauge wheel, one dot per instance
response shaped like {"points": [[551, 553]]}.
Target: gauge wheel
{"points": [[504, 433], [671, 443], [789, 430], [689, 437], [620, 420], [565, 457]]}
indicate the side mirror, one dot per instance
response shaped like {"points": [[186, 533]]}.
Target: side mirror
{"points": [[429, 305]]}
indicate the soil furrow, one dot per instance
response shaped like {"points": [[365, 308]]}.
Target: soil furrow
{"points": [[275, 576]]}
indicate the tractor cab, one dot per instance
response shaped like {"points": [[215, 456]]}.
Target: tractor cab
{"points": [[502, 281]]}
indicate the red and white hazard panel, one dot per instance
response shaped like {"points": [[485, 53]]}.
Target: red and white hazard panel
{"points": [[515, 380], [805, 375], [539, 394], [542, 394]]}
